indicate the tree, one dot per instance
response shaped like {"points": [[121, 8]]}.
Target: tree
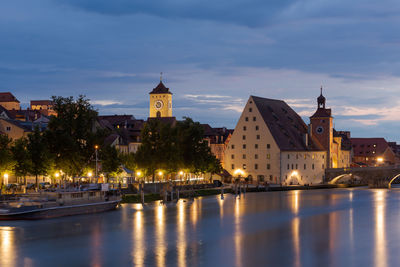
{"points": [[72, 134], [39, 154], [23, 162], [158, 148], [110, 161], [6, 158]]}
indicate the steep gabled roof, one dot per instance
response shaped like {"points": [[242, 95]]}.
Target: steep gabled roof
{"points": [[161, 89], [285, 125], [8, 97]]}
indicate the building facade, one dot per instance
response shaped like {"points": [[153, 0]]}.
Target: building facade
{"points": [[271, 143], [160, 102], [372, 152]]}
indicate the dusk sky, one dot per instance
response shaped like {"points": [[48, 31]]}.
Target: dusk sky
{"points": [[213, 54]]}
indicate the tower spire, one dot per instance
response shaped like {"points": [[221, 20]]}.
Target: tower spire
{"points": [[321, 89], [161, 76]]}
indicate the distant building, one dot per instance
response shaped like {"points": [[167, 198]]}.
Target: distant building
{"points": [[46, 107], [217, 139], [335, 143], [372, 152], [396, 150], [160, 102], [9, 101], [271, 143]]}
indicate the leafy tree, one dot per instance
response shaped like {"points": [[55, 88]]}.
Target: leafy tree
{"points": [[128, 160], [23, 162], [72, 134], [39, 154], [6, 158], [158, 148], [110, 161]]}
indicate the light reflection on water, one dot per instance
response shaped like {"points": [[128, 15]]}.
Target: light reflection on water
{"points": [[341, 227]]}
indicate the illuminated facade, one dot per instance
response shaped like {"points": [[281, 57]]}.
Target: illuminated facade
{"points": [[160, 102], [271, 144]]}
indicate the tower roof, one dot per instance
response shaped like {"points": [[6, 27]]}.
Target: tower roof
{"points": [[160, 89]]}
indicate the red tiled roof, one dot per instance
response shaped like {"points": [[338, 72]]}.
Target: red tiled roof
{"points": [[8, 97], [369, 146], [285, 125], [322, 113], [41, 102]]}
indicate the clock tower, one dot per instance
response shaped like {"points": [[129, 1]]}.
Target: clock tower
{"points": [[160, 102], [321, 127]]}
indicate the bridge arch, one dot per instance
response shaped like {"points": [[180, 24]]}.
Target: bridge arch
{"points": [[334, 180], [394, 178]]}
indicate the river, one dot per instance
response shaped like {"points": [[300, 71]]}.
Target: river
{"points": [[336, 227]]}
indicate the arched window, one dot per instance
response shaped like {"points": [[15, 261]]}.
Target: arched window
{"points": [[158, 114]]}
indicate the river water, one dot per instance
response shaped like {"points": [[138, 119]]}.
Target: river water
{"points": [[337, 227]]}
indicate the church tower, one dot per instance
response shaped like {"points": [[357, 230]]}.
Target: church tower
{"points": [[160, 101], [321, 124]]}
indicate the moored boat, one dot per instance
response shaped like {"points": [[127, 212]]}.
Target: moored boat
{"points": [[57, 204]]}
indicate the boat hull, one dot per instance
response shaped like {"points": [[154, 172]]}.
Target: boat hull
{"points": [[60, 211]]}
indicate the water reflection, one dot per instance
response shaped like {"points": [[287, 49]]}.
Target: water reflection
{"points": [[181, 231], [161, 246], [380, 235], [96, 245], [296, 241], [238, 233], [295, 202], [139, 249], [7, 246]]}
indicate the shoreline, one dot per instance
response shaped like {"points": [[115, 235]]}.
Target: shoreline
{"points": [[152, 197]]}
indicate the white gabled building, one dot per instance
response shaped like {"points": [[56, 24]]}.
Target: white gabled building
{"points": [[271, 143]]}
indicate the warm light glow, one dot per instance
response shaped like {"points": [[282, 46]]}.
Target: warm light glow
{"points": [[380, 159], [6, 178], [295, 173], [160, 173], [57, 174], [181, 173], [138, 173], [6, 175], [238, 172], [96, 147], [90, 174]]}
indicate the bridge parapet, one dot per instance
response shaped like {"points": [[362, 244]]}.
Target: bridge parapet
{"points": [[375, 177]]}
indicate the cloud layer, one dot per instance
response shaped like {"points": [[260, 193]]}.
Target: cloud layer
{"points": [[214, 55]]}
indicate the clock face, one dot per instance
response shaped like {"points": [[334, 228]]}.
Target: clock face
{"points": [[158, 104], [320, 129]]}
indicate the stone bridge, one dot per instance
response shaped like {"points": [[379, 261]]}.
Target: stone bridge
{"points": [[375, 177]]}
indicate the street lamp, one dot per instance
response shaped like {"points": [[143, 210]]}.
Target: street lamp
{"points": [[160, 173], [6, 178], [96, 148]]}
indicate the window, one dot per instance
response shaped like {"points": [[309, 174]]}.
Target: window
{"points": [[288, 166], [305, 156], [268, 156], [250, 109], [233, 146], [270, 177], [296, 166], [256, 156], [244, 146], [258, 136], [246, 119], [292, 166], [305, 166], [256, 146], [244, 137], [244, 128], [244, 156], [233, 166], [8, 128], [254, 118], [257, 127], [323, 166], [256, 166], [268, 146], [288, 156], [268, 166], [244, 166], [232, 156]]}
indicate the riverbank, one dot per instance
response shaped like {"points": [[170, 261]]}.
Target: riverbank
{"points": [[135, 198]]}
